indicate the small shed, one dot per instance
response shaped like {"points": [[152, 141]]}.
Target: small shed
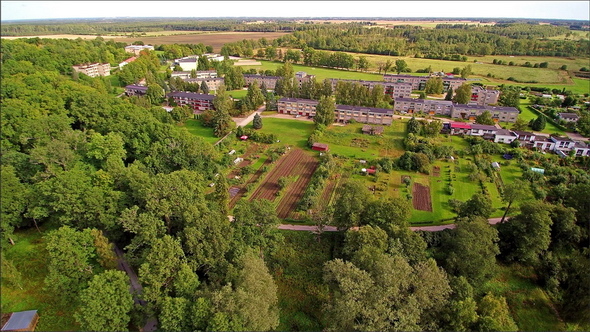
{"points": [[319, 147], [21, 321], [238, 160], [244, 137], [232, 152], [496, 165], [538, 170]]}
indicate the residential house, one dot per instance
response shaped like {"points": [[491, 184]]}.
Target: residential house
{"points": [[135, 90], [127, 61], [136, 49], [504, 136], [427, 106], [460, 128], [582, 149], [197, 101], [568, 117], [486, 131], [564, 144], [302, 77], [343, 113], [543, 143], [94, 69]]}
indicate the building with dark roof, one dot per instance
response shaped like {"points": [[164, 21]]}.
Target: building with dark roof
{"points": [[419, 82], [568, 117], [269, 81], [197, 101], [427, 106], [135, 90], [470, 112], [393, 89]]}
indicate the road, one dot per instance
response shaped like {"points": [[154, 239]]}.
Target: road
{"points": [[244, 121], [308, 228]]}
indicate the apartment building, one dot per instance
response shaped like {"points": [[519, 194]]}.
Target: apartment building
{"points": [[419, 82], [188, 63], [393, 89], [302, 77], [481, 96], [94, 69], [470, 112], [136, 49], [269, 81], [197, 101], [343, 113], [445, 107], [212, 83], [135, 90], [427, 106]]}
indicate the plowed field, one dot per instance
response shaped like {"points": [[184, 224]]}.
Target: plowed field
{"points": [[421, 197], [294, 163]]}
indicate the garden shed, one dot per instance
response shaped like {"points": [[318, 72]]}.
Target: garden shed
{"points": [[319, 147], [21, 321]]}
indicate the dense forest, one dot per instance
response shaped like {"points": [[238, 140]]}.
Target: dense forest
{"points": [[92, 169]]}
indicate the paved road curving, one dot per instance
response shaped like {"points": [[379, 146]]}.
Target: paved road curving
{"points": [[308, 228]]}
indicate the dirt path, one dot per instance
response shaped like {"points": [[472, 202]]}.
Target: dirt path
{"points": [[135, 288], [438, 228]]}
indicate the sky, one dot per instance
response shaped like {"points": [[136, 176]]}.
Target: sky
{"points": [[19, 10]]}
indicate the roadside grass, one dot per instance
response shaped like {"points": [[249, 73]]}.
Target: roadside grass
{"points": [[29, 256], [290, 132], [320, 73], [530, 306], [196, 128], [297, 268]]}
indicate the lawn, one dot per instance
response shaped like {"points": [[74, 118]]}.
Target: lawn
{"points": [[30, 257], [349, 141], [530, 306], [196, 128], [320, 73], [290, 132], [238, 94]]}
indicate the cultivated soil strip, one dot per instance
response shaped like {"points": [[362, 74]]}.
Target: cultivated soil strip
{"points": [[304, 169], [421, 197]]}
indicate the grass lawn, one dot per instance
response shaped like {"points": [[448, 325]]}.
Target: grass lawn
{"points": [[238, 94], [320, 73], [530, 306], [29, 256], [290, 132], [297, 270], [343, 140], [195, 127]]}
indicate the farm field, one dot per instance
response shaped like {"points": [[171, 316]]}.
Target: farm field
{"points": [[214, 39], [28, 254], [296, 163]]}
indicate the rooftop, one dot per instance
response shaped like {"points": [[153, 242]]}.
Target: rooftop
{"points": [[20, 321], [504, 132], [569, 115], [363, 108], [460, 125], [523, 133], [136, 87], [483, 127], [191, 95], [311, 101]]}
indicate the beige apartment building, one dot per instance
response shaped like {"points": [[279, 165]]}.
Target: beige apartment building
{"points": [[94, 69]]}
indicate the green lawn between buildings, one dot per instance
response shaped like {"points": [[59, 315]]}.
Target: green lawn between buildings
{"points": [[289, 132], [195, 127]]}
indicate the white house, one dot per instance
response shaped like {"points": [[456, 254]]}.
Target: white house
{"points": [[481, 130], [543, 143], [188, 63], [524, 136], [582, 149], [568, 117], [504, 136], [563, 143]]}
